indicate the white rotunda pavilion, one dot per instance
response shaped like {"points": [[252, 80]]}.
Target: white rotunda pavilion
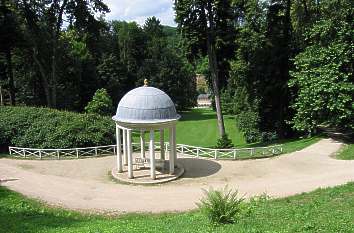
{"points": [[145, 109]]}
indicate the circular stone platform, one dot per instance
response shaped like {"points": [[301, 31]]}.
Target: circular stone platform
{"points": [[142, 175]]}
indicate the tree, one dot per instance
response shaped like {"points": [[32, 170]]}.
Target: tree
{"points": [[9, 39], [323, 75], [208, 29], [101, 103], [44, 20], [165, 69]]}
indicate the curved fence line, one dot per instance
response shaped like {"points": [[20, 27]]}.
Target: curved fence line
{"points": [[185, 150]]}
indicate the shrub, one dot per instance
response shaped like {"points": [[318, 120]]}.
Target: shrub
{"points": [[224, 142], [49, 128], [248, 123], [269, 136], [221, 206], [101, 103]]}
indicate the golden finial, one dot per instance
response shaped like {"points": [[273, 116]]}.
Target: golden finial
{"points": [[146, 82]]}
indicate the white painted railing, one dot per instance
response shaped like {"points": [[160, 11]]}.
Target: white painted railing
{"points": [[184, 150], [62, 153], [233, 153]]}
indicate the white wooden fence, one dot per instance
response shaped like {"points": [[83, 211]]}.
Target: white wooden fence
{"points": [[233, 153], [184, 150]]}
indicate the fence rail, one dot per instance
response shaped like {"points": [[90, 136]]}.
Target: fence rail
{"points": [[184, 150]]}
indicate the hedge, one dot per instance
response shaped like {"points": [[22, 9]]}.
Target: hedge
{"points": [[49, 128]]}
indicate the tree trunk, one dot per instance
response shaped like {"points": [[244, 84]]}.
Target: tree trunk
{"points": [[215, 82], [44, 80], [1, 97], [11, 77], [214, 71], [54, 77]]}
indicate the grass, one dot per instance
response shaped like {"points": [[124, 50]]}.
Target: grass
{"points": [[199, 128], [347, 152], [291, 145], [324, 210]]}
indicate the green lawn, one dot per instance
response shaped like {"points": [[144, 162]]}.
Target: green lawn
{"points": [[324, 210], [347, 153], [198, 127]]}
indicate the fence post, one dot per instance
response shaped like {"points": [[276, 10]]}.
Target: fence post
{"points": [[182, 150], [77, 153], [95, 151], [40, 154], [58, 154], [252, 151], [24, 152], [215, 154], [234, 154], [10, 151], [197, 152]]}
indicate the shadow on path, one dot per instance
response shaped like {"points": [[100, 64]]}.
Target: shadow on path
{"points": [[194, 168]]}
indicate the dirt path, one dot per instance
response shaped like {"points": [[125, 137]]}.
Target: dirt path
{"points": [[85, 184]]}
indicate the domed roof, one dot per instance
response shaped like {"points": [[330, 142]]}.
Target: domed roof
{"points": [[146, 105]]}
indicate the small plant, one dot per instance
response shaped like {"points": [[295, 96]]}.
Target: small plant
{"points": [[248, 123], [101, 103], [221, 206], [224, 142]]}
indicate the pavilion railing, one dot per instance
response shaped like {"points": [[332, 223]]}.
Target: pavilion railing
{"points": [[182, 149]]}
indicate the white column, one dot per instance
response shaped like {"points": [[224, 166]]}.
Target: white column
{"points": [[174, 144], [162, 144], [130, 154], [152, 155], [125, 154], [142, 144], [118, 151], [171, 156]]}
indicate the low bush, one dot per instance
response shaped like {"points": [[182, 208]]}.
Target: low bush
{"points": [[221, 206], [248, 123], [49, 128], [224, 142]]}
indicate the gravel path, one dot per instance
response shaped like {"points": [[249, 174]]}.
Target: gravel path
{"points": [[85, 184]]}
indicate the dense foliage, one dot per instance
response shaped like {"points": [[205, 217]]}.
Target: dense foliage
{"points": [[101, 103], [58, 53], [323, 73], [47, 128]]}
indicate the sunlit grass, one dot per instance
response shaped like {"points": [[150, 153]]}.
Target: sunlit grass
{"points": [[324, 210], [347, 152]]}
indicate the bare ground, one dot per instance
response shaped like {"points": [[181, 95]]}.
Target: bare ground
{"points": [[85, 184]]}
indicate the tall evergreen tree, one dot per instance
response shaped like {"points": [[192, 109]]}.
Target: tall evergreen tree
{"points": [[208, 29]]}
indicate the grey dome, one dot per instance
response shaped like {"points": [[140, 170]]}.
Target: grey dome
{"points": [[146, 104]]}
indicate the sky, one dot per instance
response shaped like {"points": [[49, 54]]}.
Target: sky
{"points": [[139, 10]]}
